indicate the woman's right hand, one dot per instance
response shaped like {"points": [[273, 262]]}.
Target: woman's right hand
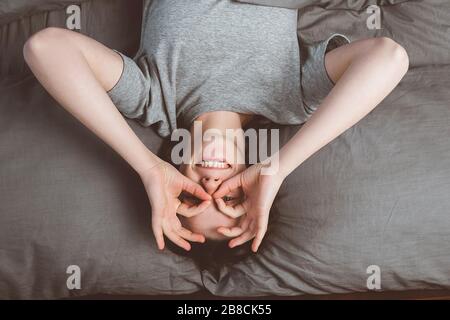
{"points": [[164, 184]]}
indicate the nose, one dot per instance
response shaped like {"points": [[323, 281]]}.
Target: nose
{"points": [[211, 184]]}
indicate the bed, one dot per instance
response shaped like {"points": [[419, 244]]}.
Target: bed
{"points": [[375, 201]]}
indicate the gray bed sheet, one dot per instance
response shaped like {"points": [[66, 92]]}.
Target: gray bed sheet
{"points": [[377, 195]]}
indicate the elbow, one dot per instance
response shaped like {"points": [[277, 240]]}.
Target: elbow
{"points": [[394, 52], [38, 44]]}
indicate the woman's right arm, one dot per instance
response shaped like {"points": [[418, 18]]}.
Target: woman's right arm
{"points": [[78, 71]]}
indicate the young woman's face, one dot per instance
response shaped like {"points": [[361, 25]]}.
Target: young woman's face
{"points": [[214, 167]]}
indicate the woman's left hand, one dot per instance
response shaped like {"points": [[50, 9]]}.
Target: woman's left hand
{"points": [[260, 190]]}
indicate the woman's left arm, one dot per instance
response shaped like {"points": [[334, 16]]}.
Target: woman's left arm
{"points": [[365, 72]]}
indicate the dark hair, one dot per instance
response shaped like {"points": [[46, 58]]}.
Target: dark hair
{"points": [[213, 254]]}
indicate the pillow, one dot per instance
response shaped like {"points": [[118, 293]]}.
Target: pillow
{"points": [[373, 200], [123, 19], [419, 26]]}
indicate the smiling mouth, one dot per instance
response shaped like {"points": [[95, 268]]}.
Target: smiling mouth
{"points": [[214, 164]]}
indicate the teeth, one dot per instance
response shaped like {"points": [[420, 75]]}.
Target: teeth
{"points": [[213, 164]]}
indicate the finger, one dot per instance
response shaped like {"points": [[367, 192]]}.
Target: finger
{"points": [[177, 203], [244, 223], [260, 232], [175, 238], [158, 233], [190, 211], [191, 236], [234, 212], [236, 231], [228, 186], [230, 232], [246, 236], [195, 189]]}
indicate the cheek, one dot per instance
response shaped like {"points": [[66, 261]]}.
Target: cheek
{"points": [[183, 169], [187, 223], [227, 221], [241, 167], [197, 225], [187, 171]]}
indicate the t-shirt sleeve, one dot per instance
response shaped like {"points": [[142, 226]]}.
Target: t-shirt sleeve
{"points": [[137, 95], [315, 81]]}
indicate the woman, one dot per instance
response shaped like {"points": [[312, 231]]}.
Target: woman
{"points": [[222, 64]]}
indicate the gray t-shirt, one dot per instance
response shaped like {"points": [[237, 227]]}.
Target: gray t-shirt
{"points": [[209, 55]]}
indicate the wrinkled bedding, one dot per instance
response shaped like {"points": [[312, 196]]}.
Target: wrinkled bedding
{"points": [[377, 195]]}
